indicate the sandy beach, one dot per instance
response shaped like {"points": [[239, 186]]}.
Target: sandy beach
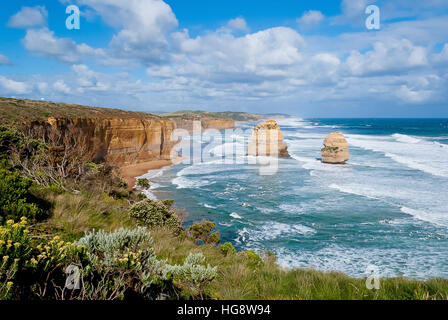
{"points": [[128, 173]]}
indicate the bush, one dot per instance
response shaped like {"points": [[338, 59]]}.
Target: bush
{"points": [[201, 231], [154, 213], [194, 274], [254, 259], [15, 198], [143, 183], [227, 248]]}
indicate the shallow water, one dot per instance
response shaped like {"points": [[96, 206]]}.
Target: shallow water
{"points": [[387, 206]]}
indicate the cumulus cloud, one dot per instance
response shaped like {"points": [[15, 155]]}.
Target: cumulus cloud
{"points": [[9, 86], [230, 64], [29, 17], [237, 24], [310, 19], [145, 27], [387, 57], [61, 87], [44, 43]]}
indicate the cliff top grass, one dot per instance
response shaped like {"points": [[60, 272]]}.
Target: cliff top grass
{"points": [[225, 115], [13, 111], [16, 111]]}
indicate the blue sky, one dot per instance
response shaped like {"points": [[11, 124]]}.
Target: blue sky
{"points": [[308, 58]]}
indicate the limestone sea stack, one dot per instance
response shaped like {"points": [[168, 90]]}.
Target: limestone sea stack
{"points": [[267, 140], [335, 149]]}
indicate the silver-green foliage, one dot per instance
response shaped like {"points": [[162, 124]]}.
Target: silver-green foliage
{"points": [[194, 272]]}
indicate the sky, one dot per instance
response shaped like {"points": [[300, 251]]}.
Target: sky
{"points": [[305, 58]]}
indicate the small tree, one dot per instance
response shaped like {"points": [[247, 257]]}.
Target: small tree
{"points": [[154, 213], [201, 231], [143, 183], [15, 199]]}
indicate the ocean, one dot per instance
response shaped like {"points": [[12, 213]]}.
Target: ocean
{"points": [[386, 207]]}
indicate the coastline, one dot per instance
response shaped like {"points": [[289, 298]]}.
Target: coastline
{"points": [[131, 172]]}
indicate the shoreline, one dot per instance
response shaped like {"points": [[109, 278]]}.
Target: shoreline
{"points": [[131, 172]]}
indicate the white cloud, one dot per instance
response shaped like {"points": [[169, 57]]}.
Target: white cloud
{"points": [[44, 43], [61, 86], [4, 59], [88, 79], [310, 19], [412, 95], [145, 27], [29, 17], [387, 57], [10, 86], [238, 24]]}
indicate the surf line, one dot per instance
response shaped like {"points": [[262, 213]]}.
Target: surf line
{"points": [[186, 310]]}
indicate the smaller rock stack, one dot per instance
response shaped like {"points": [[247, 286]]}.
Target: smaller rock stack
{"points": [[335, 149], [267, 140]]}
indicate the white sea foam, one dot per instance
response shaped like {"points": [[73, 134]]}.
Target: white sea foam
{"points": [[235, 215], [440, 219], [184, 182], [405, 138], [418, 154], [354, 261], [275, 230], [289, 208]]}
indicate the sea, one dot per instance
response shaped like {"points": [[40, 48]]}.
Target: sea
{"points": [[387, 207]]}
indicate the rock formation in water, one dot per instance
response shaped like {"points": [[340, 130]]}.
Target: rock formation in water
{"points": [[267, 140], [335, 149]]}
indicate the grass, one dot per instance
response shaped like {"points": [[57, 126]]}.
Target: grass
{"points": [[77, 213], [241, 275], [240, 278], [16, 111]]}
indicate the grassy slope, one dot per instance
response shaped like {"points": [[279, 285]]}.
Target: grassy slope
{"points": [[239, 277], [13, 111], [237, 116]]}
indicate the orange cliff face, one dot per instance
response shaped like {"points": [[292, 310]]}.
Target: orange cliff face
{"points": [[119, 142]]}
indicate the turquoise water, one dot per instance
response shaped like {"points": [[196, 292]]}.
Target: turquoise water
{"points": [[386, 207]]}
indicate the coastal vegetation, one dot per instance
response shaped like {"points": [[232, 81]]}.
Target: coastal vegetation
{"points": [[68, 219]]}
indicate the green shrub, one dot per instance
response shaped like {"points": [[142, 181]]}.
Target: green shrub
{"points": [[143, 183], [15, 198], [227, 248], [154, 213], [201, 231], [254, 259]]}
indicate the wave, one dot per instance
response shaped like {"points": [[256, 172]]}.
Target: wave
{"points": [[275, 230], [235, 215], [184, 182], [356, 190], [405, 138], [417, 154], [434, 218]]}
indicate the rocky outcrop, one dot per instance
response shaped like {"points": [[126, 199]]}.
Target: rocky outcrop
{"points": [[117, 141], [335, 149], [267, 140]]}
